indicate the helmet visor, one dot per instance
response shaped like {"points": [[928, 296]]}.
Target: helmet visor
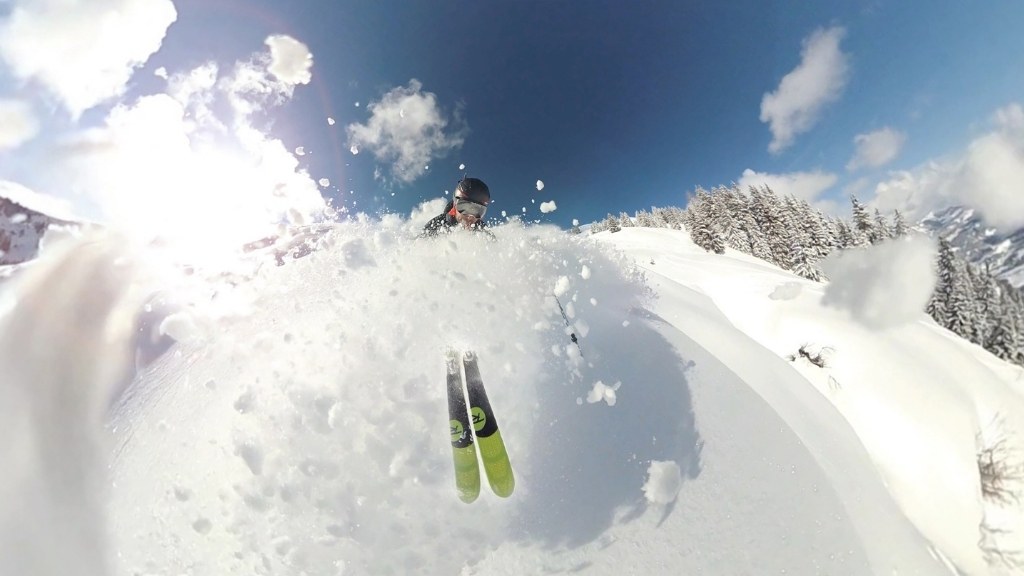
{"points": [[469, 207]]}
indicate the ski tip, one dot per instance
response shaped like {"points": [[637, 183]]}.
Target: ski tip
{"points": [[451, 360], [469, 497], [469, 356], [505, 489]]}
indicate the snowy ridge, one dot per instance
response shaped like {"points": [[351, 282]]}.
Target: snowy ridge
{"points": [[21, 231], [306, 432], [1003, 252]]}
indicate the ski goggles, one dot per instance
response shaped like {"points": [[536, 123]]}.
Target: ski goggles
{"points": [[467, 206]]}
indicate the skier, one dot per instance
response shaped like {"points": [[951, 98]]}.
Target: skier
{"points": [[466, 208]]}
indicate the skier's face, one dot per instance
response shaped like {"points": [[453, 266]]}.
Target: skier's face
{"points": [[468, 213], [467, 220]]}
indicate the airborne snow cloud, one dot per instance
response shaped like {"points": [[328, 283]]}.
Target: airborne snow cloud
{"points": [[884, 285], [407, 129], [83, 53], [290, 60], [167, 163], [796, 105]]}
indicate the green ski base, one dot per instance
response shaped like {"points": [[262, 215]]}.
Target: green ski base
{"points": [[497, 465], [485, 427], [467, 471], [473, 424]]}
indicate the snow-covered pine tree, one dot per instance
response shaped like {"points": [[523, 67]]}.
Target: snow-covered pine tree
{"points": [[977, 286], [699, 219], [802, 263], [787, 230], [1016, 313], [1006, 339], [675, 217], [625, 221], [938, 307], [844, 235], [664, 217], [881, 229], [645, 219], [612, 224], [769, 214], [960, 306], [899, 225], [725, 210], [817, 230], [750, 238], [863, 227]]}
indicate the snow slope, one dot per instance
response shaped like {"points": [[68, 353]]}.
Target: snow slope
{"points": [[300, 424]]}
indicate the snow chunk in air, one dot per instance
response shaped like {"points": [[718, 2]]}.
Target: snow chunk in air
{"points": [[664, 480], [562, 285], [182, 327], [540, 185], [290, 60], [547, 207], [602, 391], [882, 286]]}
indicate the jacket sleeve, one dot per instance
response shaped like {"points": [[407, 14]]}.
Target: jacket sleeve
{"points": [[433, 227]]}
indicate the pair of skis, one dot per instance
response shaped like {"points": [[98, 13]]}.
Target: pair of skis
{"points": [[473, 424]]}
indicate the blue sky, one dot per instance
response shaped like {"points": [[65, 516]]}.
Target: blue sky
{"points": [[616, 106]]}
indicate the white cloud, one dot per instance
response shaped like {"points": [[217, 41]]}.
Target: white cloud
{"points": [[167, 166], [17, 124], [985, 176], [804, 185], [82, 52], [876, 148], [406, 130], [290, 60], [796, 105], [884, 285]]}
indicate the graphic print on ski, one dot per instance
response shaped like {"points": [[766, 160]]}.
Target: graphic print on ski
{"points": [[485, 427], [467, 471]]}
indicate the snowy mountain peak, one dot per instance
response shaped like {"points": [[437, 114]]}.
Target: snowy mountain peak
{"points": [[21, 230], [980, 244]]}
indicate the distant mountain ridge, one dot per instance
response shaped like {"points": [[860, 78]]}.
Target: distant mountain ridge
{"points": [[980, 244], [21, 230]]}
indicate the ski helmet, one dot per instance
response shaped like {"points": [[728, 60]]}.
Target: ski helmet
{"points": [[474, 189]]}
